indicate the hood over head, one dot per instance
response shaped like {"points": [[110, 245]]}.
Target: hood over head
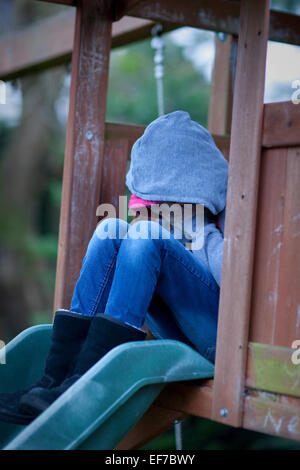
{"points": [[176, 159]]}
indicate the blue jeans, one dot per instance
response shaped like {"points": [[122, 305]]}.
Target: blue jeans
{"points": [[153, 280]]}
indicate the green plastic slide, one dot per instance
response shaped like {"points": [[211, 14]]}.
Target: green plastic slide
{"points": [[101, 407]]}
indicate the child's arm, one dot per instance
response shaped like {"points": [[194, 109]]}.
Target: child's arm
{"points": [[214, 251], [211, 254]]}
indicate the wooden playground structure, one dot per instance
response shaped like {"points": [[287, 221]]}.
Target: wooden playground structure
{"points": [[256, 385]]}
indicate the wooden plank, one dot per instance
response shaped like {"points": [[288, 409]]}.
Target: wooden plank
{"points": [[288, 310], [130, 132], [116, 153], [272, 414], [281, 125], [284, 27], [265, 412], [277, 264], [155, 421], [268, 244], [188, 398], [214, 15], [245, 149], [44, 44], [49, 42], [270, 368], [129, 29], [84, 143], [208, 14], [221, 91]]}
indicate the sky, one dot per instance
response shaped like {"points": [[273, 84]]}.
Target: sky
{"points": [[282, 69]]}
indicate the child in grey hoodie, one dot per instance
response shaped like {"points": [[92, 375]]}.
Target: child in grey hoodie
{"points": [[128, 278], [176, 159]]}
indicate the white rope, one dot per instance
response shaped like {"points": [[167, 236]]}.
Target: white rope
{"points": [[158, 44], [178, 434]]}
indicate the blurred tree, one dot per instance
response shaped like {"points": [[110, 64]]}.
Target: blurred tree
{"points": [[132, 87], [26, 165]]}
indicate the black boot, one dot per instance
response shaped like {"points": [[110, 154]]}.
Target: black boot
{"points": [[104, 334], [68, 334]]}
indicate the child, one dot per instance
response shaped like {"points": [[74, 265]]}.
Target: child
{"points": [[168, 283]]}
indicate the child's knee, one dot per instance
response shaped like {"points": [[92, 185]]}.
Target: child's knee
{"points": [[145, 230], [111, 228]]}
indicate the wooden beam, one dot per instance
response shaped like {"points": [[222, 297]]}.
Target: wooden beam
{"points": [[118, 130], [274, 414], [44, 44], [281, 125], [188, 398], [245, 150], [129, 29], [284, 27], [49, 42], [84, 143], [214, 15], [269, 413]]}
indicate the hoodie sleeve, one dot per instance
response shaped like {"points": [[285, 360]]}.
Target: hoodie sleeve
{"points": [[211, 254]]}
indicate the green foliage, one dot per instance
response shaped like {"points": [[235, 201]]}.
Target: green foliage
{"points": [[41, 317], [132, 95], [5, 132], [42, 247], [203, 434]]}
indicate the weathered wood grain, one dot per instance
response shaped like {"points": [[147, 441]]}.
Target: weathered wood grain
{"points": [[281, 124], [275, 311], [84, 144], [245, 150]]}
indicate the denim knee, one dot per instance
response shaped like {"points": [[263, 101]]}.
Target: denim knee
{"points": [[112, 228], [147, 229]]}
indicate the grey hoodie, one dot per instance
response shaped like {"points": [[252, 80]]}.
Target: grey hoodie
{"points": [[176, 159]]}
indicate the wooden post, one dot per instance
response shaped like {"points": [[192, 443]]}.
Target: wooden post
{"points": [[245, 150], [84, 143], [221, 92]]}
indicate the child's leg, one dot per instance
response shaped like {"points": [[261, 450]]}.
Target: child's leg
{"points": [[142, 265], [70, 330], [163, 265], [93, 286]]}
